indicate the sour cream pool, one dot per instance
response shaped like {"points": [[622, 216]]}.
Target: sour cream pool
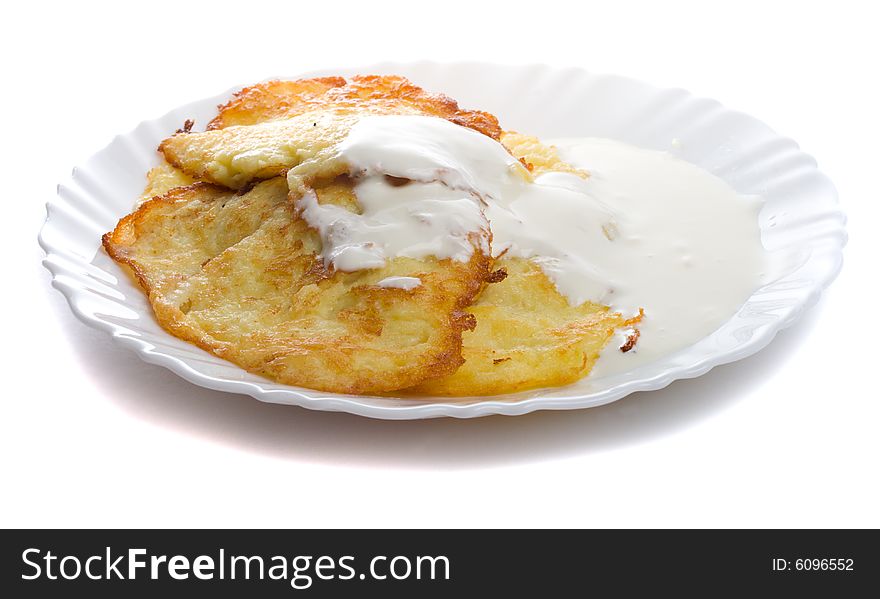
{"points": [[689, 248]]}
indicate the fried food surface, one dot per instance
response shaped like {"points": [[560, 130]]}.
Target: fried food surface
{"points": [[237, 155], [528, 335], [270, 128], [240, 275], [389, 94], [162, 179]]}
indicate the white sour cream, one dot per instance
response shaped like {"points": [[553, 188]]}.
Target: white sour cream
{"points": [[427, 219], [688, 248], [422, 148], [558, 224], [646, 230], [407, 283]]}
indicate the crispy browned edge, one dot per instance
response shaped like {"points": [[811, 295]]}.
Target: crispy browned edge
{"points": [[110, 239], [444, 362], [279, 98], [272, 99]]}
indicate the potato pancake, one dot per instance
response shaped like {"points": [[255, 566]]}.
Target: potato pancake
{"points": [[241, 276], [391, 94]]}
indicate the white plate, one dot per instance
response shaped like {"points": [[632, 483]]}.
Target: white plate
{"points": [[800, 219]]}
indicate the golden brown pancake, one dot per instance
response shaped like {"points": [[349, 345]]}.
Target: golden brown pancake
{"points": [[272, 127], [162, 179], [241, 276], [527, 334], [372, 93]]}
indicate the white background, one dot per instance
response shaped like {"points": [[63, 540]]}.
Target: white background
{"points": [[91, 436]]}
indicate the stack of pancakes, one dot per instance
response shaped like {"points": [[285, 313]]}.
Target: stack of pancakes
{"points": [[228, 263]]}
